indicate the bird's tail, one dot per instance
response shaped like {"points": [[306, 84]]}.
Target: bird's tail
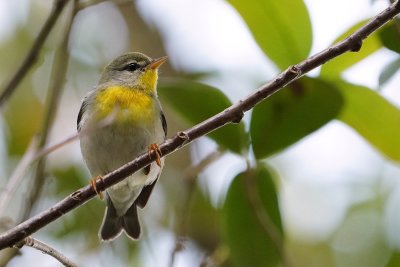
{"points": [[113, 224]]}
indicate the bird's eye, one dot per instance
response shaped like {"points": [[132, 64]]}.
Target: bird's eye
{"points": [[132, 67]]}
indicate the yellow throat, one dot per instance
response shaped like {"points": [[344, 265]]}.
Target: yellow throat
{"points": [[134, 105]]}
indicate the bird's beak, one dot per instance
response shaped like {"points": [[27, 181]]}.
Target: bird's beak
{"points": [[156, 63]]}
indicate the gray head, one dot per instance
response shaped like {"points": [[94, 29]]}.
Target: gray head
{"points": [[132, 70]]}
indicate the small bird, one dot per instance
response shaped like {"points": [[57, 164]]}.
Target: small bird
{"points": [[119, 120]]}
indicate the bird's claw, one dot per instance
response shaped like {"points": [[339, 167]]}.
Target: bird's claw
{"points": [[156, 149], [93, 184]]}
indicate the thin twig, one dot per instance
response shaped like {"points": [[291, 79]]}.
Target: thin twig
{"points": [[34, 51], [230, 115], [47, 150], [34, 243], [179, 246]]}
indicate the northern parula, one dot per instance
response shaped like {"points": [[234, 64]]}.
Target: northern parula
{"points": [[119, 120]]}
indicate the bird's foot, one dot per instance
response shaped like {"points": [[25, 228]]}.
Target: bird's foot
{"points": [[93, 184], [156, 149]]}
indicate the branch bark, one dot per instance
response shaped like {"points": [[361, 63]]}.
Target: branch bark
{"points": [[233, 114], [46, 249]]}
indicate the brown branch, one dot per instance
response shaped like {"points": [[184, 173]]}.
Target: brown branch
{"points": [[46, 249], [34, 51], [233, 114]]}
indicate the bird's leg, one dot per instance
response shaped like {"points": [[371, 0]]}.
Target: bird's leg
{"points": [[93, 184], [156, 149]]}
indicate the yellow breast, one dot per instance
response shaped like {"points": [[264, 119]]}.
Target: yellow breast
{"points": [[126, 104]]}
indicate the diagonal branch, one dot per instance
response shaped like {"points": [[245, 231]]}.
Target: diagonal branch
{"points": [[46, 249], [34, 51], [233, 114]]}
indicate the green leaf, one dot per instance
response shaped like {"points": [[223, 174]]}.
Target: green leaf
{"points": [[390, 37], [196, 102], [281, 28], [251, 194], [292, 114], [206, 233], [373, 117], [389, 71], [394, 260], [335, 67]]}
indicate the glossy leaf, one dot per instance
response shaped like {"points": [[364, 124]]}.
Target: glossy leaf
{"points": [[252, 193], [336, 66], [196, 102], [390, 37], [373, 117], [292, 114], [281, 28], [389, 71]]}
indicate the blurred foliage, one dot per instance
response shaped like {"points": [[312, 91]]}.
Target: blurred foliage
{"points": [[380, 127], [68, 180], [389, 71], [22, 123], [389, 36], [196, 102], [200, 208], [310, 254], [237, 233], [394, 260], [293, 113], [284, 34], [253, 226], [360, 240]]}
